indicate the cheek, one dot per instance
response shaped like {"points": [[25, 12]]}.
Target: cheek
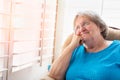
{"points": [[94, 31], [89, 28]]}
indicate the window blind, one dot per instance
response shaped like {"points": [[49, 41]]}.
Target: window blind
{"points": [[4, 37], [27, 34]]}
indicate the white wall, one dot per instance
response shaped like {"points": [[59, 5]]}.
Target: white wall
{"points": [[111, 12]]}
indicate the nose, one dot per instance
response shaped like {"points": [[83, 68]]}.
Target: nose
{"points": [[79, 30]]}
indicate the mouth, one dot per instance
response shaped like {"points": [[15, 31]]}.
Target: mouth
{"points": [[84, 33]]}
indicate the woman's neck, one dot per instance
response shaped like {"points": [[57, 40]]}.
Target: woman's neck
{"points": [[96, 45]]}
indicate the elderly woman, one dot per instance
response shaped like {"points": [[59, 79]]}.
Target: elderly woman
{"points": [[88, 56]]}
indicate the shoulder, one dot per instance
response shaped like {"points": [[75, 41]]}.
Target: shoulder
{"points": [[116, 49], [113, 46], [116, 42], [77, 51], [113, 43]]}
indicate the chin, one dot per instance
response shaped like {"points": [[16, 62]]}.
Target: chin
{"points": [[85, 40]]}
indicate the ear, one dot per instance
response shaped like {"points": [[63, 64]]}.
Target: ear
{"points": [[101, 29]]}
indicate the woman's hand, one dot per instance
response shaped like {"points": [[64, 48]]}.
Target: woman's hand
{"points": [[69, 40], [76, 41]]}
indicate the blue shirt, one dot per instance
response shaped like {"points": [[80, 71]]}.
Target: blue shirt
{"points": [[102, 65]]}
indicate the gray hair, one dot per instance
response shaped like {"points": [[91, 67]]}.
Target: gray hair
{"points": [[92, 16]]}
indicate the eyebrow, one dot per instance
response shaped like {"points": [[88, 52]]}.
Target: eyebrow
{"points": [[84, 22]]}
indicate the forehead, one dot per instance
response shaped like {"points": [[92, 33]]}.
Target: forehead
{"points": [[81, 19]]}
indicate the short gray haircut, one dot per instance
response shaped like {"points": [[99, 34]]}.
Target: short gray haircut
{"points": [[92, 16]]}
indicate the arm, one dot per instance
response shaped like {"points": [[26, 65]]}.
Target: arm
{"points": [[61, 64], [67, 41]]}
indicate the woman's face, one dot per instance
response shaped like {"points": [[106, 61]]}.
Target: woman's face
{"points": [[87, 29]]}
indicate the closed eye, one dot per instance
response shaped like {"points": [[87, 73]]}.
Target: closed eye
{"points": [[85, 24]]}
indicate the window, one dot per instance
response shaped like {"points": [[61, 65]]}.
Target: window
{"points": [[4, 37], [27, 31], [25, 35]]}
